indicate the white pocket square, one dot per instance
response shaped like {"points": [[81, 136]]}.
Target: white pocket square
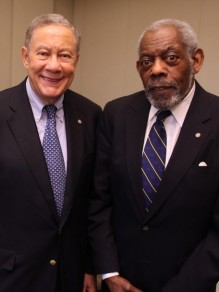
{"points": [[202, 164]]}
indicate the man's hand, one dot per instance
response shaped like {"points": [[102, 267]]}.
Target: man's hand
{"points": [[119, 284], [90, 283]]}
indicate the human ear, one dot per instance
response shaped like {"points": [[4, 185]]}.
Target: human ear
{"points": [[77, 59], [24, 54], [198, 58], [138, 66]]}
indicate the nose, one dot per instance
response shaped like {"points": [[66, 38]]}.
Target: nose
{"points": [[53, 63], [158, 67]]}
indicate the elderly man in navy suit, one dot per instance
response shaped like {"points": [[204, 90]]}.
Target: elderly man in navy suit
{"points": [[154, 218]]}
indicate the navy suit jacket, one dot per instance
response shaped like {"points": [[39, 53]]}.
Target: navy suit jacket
{"points": [[31, 233], [174, 248]]}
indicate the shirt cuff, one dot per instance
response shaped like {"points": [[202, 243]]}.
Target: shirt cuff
{"points": [[108, 275]]}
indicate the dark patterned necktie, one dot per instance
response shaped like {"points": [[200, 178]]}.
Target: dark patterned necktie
{"points": [[153, 159], [54, 158]]}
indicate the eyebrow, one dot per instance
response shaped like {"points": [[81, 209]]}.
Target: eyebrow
{"points": [[162, 52], [44, 47]]}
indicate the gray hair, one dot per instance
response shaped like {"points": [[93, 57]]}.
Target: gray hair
{"points": [[188, 35], [48, 19]]}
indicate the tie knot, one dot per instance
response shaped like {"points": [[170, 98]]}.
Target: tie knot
{"points": [[161, 116], [51, 110]]}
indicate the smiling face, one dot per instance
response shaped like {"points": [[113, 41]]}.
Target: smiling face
{"points": [[50, 61], [165, 68]]}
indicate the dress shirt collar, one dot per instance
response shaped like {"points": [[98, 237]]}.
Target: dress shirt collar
{"points": [[179, 111], [37, 104]]}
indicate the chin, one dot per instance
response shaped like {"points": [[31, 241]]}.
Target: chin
{"points": [[164, 102]]}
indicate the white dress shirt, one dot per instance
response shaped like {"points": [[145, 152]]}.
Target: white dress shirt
{"points": [[172, 123], [40, 117]]}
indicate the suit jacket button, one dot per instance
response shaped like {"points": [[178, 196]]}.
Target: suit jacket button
{"points": [[145, 228], [52, 262]]}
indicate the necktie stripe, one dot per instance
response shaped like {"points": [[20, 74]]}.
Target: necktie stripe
{"points": [[155, 151], [148, 180], [164, 144], [149, 199], [153, 159], [152, 166]]}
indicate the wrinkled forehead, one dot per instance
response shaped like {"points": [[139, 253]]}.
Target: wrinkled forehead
{"points": [[52, 28], [164, 37]]}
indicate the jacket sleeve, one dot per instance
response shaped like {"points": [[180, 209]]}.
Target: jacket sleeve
{"points": [[100, 208]]}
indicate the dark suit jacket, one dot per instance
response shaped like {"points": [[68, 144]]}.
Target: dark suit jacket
{"points": [[174, 248], [30, 232]]}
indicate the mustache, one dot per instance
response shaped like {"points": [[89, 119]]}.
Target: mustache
{"points": [[156, 84]]}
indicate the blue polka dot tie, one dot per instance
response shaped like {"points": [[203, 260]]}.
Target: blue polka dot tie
{"points": [[54, 158], [153, 159]]}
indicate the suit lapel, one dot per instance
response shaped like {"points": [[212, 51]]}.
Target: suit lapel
{"points": [[75, 147], [192, 136], [136, 121], [23, 127]]}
